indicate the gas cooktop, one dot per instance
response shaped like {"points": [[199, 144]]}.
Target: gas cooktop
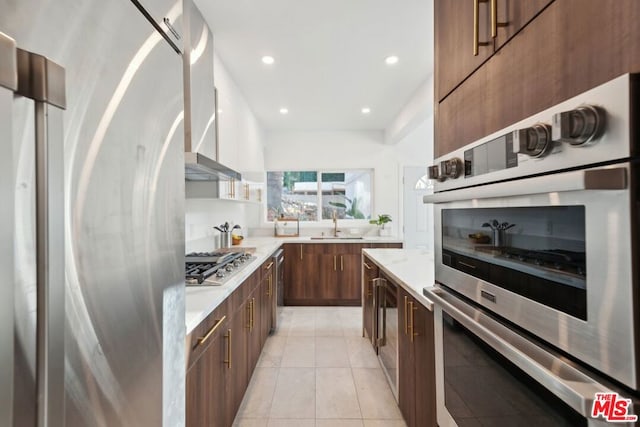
{"points": [[214, 268]]}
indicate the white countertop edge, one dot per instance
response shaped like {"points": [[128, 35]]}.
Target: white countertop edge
{"points": [[403, 265]]}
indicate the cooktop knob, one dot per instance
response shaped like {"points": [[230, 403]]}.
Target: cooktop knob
{"points": [[220, 274], [229, 267], [451, 168], [534, 141], [581, 126]]}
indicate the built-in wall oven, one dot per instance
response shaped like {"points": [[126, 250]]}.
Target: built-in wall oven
{"points": [[537, 229]]}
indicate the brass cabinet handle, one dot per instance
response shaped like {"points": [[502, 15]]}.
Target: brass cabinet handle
{"points": [[467, 265], [300, 251], [210, 332], [367, 266], [228, 360], [476, 26], [253, 311], [270, 289], [334, 263], [341, 263], [268, 267], [406, 327], [494, 19], [413, 334], [248, 326]]}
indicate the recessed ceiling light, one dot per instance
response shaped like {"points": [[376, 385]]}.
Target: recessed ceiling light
{"points": [[284, 111], [391, 60], [366, 110], [268, 60]]}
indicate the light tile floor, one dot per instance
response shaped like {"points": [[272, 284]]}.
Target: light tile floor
{"points": [[318, 371]]}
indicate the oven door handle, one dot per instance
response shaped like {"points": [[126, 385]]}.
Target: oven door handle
{"points": [[551, 370], [590, 179]]}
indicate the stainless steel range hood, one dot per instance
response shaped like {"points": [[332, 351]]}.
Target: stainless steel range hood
{"points": [[200, 121], [198, 167]]}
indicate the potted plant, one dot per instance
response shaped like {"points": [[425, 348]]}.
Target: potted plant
{"points": [[380, 222]]}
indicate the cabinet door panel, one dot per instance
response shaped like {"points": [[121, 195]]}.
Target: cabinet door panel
{"points": [[516, 14], [406, 379], [370, 273], [293, 273], [206, 386], [424, 355], [454, 57], [238, 372], [349, 279], [329, 270]]}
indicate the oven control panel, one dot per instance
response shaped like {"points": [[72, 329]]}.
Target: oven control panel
{"points": [[590, 128]]}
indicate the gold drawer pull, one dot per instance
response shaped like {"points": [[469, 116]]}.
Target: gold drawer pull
{"points": [[204, 339], [494, 19], [476, 26], [341, 263], [406, 323], [367, 266], [268, 267], [228, 337]]}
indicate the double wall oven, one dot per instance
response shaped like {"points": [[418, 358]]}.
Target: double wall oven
{"points": [[537, 265]]}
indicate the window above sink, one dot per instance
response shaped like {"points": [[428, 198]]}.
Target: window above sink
{"points": [[314, 195]]}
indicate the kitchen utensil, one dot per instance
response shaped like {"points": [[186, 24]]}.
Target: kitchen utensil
{"points": [[219, 229], [495, 224]]}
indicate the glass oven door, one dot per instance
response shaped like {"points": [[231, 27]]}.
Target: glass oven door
{"points": [[489, 374]]}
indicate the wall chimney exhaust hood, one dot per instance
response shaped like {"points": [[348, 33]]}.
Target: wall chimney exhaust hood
{"points": [[198, 167], [200, 102]]}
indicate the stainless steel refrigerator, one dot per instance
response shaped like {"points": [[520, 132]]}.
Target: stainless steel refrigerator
{"points": [[92, 217]]}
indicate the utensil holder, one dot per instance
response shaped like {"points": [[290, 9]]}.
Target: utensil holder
{"points": [[499, 238], [225, 239]]}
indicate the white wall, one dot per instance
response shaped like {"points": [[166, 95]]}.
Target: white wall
{"points": [[240, 147]]}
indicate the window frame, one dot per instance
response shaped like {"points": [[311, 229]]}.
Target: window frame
{"points": [[319, 196]]}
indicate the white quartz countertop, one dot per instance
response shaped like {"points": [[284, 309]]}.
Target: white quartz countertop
{"points": [[413, 269], [201, 301]]}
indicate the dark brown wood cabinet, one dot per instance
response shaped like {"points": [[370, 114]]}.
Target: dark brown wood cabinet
{"points": [[325, 273], [454, 35], [562, 48], [416, 362], [208, 375], [224, 350], [369, 274], [266, 308]]}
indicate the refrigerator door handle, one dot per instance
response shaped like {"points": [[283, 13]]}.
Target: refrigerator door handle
{"points": [[43, 81]]}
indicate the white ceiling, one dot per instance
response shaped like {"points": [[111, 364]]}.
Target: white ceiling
{"points": [[329, 58]]}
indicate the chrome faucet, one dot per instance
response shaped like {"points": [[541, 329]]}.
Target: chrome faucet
{"points": [[335, 223]]}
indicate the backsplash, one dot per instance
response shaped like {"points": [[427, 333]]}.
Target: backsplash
{"points": [[201, 215]]}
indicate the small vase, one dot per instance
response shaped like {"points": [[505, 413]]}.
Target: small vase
{"points": [[384, 232]]}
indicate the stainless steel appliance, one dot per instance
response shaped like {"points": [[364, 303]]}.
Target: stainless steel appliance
{"points": [[214, 268], [564, 273], [278, 301], [385, 302], [93, 231], [201, 124]]}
